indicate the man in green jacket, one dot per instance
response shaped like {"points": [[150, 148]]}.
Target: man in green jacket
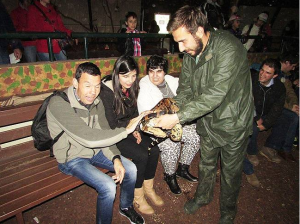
{"points": [[214, 89]]}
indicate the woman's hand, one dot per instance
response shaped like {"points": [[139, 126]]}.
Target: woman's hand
{"points": [[135, 121], [138, 137]]}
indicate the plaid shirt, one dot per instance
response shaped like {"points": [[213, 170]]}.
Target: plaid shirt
{"points": [[137, 49]]}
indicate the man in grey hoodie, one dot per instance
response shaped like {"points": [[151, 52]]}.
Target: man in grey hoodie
{"points": [[88, 142]]}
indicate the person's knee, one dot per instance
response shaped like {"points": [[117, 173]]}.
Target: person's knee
{"points": [[108, 190], [154, 151], [130, 169], [141, 158]]}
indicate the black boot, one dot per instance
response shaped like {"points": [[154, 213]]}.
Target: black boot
{"points": [[183, 172], [172, 182]]}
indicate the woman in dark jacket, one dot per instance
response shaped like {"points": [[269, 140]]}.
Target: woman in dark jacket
{"points": [[119, 93]]}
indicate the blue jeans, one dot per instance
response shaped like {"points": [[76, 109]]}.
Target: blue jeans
{"points": [[85, 170], [252, 148], [247, 167], [58, 57], [30, 53], [284, 131]]}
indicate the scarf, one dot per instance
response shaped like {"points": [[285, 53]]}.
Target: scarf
{"points": [[137, 50]]}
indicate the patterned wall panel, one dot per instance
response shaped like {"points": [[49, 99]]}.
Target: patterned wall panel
{"points": [[41, 77]]}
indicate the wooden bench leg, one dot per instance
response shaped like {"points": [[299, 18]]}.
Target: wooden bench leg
{"points": [[20, 219]]}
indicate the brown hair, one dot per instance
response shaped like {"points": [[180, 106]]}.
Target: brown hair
{"points": [[190, 17]]}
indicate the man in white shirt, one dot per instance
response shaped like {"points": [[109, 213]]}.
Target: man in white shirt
{"points": [[254, 29]]}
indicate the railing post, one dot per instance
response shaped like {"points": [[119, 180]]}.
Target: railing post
{"points": [[162, 40], [50, 49], [172, 45], [86, 48]]}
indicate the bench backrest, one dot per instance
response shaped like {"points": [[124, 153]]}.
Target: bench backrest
{"points": [[15, 130]]}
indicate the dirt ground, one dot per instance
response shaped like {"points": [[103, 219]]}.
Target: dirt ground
{"points": [[275, 202]]}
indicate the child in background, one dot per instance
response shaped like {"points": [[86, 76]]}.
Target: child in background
{"points": [[130, 46]]}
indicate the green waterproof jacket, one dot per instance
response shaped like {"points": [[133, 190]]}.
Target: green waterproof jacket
{"points": [[217, 90]]}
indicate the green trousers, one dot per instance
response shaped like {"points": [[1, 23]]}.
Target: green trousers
{"points": [[231, 158]]}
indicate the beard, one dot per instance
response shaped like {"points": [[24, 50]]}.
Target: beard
{"points": [[199, 43], [198, 49]]}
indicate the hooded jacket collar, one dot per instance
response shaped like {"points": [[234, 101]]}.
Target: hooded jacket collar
{"points": [[74, 102]]}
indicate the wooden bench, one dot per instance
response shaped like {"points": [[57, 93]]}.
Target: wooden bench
{"points": [[28, 177]]}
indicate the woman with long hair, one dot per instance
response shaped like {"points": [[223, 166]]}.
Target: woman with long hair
{"points": [[119, 93]]}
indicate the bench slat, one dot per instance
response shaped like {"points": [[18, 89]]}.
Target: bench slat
{"points": [[18, 115], [25, 181], [25, 165], [17, 176], [11, 135], [16, 150], [30, 153], [40, 195], [29, 188]]}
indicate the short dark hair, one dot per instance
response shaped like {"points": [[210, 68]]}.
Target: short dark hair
{"points": [[293, 58], [131, 14], [272, 63], [156, 61], [189, 17], [87, 67]]}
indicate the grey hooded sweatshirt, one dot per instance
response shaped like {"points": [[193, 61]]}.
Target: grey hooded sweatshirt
{"points": [[86, 132]]}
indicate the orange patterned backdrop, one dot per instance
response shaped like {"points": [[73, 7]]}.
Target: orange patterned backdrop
{"points": [[41, 77]]}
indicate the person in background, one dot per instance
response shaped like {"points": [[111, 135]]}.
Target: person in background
{"points": [[234, 23], [119, 95], [290, 35], [19, 18], [37, 22], [153, 28], [6, 25], [213, 12], [254, 29], [154, 87], [269, 96], [87, 142], [233, 10], [130, 46], [285, 129]]}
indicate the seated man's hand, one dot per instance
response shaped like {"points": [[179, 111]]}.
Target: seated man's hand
{"points": [[167, 121], [259, 125], [296, 109], [135, 121], [296, 82], [119, 170]]}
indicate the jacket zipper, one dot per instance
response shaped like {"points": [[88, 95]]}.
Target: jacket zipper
{"points": [[265, 92], [89, 120]]}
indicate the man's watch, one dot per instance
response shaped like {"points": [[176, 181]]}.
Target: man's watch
{"points": [[116, 157]]}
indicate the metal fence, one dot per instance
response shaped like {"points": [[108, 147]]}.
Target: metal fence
{"points": [[87, 36]]}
